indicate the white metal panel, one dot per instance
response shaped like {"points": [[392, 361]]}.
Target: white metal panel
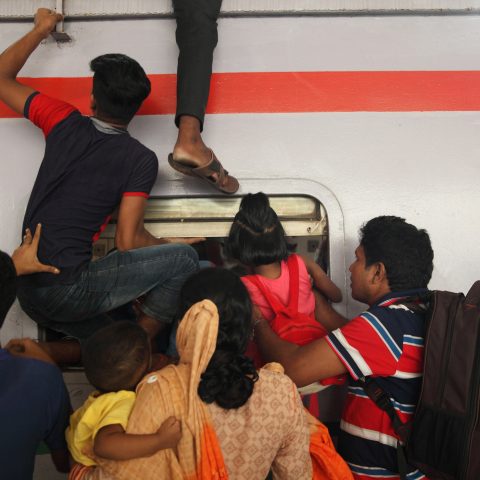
{"points": [[420, 165], [82, 8], [269, 44]]}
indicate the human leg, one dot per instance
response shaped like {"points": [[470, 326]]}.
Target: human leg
{"points": [[80, 309], [196, 37]]}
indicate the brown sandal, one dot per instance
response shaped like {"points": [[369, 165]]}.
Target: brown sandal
{"points": [[213, 173]]}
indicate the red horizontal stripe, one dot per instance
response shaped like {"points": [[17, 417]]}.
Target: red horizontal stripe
{"points": [[363, 413], [283, 92]]}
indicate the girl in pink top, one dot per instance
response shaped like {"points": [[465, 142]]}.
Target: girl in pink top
{"points": [[257, 240]]}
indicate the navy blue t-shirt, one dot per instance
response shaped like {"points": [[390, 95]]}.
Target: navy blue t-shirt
{"points": [[34, 406], [87, 168]]}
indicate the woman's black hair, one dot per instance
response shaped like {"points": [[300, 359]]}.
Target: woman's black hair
{"points": [[256, 236], [230, 375]]}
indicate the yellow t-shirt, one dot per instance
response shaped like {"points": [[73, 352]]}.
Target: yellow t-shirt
{"points": [[99, 410]]}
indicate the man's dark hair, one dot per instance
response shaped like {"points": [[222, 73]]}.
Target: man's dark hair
{"points": [[120, 85], [256, 236], [8, 285], [113, 356], [405, 251]]}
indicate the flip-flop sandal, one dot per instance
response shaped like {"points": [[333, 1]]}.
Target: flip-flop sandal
{"points": [[213, 173]]}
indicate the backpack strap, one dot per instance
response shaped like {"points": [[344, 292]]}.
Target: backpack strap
{"points": [[473, 295], [293, 272], [272, 300], [382, 401]]}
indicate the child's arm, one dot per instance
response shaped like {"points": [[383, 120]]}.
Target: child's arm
{"points": [[113, 443], [321, 281]]}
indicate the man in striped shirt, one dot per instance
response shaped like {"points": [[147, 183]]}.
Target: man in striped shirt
{"points": [[393, 261]]}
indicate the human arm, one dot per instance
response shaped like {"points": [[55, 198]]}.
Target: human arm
{"points": [[28, 348], [25, 256], [12, 92], [61, 460], [113, 443], [303, 364], [326, 314], [321, 281], [131, 232]]}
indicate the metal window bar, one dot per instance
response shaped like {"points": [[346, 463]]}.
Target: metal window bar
{"points": [[80, 9]]}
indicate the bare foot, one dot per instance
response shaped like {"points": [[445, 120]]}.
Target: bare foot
{"points": [[190, 148]]}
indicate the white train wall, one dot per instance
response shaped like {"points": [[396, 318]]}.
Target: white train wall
{"points": [[372, 114]]}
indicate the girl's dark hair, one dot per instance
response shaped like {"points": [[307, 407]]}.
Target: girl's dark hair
{"points": [[114, 356], [120, 85], [230, 376], [256, 236]]}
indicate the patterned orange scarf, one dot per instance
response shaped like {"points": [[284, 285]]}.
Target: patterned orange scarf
{"points": [[172, 391]]}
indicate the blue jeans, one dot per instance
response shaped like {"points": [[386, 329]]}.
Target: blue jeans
{"points": [[78, 310], [172, 340]]}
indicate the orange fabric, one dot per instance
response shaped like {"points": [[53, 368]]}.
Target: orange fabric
{"points": [[326, 462], [173, 391], [79, 472]]}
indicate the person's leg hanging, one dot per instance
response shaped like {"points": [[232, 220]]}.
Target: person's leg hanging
{"points": [[196, 37]]}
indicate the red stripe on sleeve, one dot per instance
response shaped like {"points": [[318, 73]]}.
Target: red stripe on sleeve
{"points": [[136, 194], [46, 112]]}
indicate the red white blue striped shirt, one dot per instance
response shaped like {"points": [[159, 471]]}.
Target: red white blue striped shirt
{"points": [[385, 342]]}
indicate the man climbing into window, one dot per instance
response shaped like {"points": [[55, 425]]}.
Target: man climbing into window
{"points": [[92, 167]]}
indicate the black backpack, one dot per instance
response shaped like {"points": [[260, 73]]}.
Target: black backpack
{"points": [[443, 440]]}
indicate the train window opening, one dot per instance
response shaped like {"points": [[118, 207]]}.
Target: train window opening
{"points": [[306, 225], [303, 217]]}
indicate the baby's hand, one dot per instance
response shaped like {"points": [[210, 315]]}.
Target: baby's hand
{"points": [[170, 432]]}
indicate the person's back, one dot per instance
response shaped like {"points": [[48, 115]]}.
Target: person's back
{"points": [[268, 432], [88, 167], [34, 403], [280, 288], [92, 167], [279, 281], [34, 407]]}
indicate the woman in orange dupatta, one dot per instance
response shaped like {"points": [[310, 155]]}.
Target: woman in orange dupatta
{"points": [[236, 423]]}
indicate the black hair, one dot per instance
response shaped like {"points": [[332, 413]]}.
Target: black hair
{"points": [[230, 375], [8, 285], [120, 85], [256, 236], [405, 251], [113, 356]]}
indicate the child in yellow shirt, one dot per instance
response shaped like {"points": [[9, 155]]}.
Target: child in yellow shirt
{"points": [[115, 359]]}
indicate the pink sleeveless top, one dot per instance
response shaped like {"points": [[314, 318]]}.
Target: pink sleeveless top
{"points": [[281, 288]]}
